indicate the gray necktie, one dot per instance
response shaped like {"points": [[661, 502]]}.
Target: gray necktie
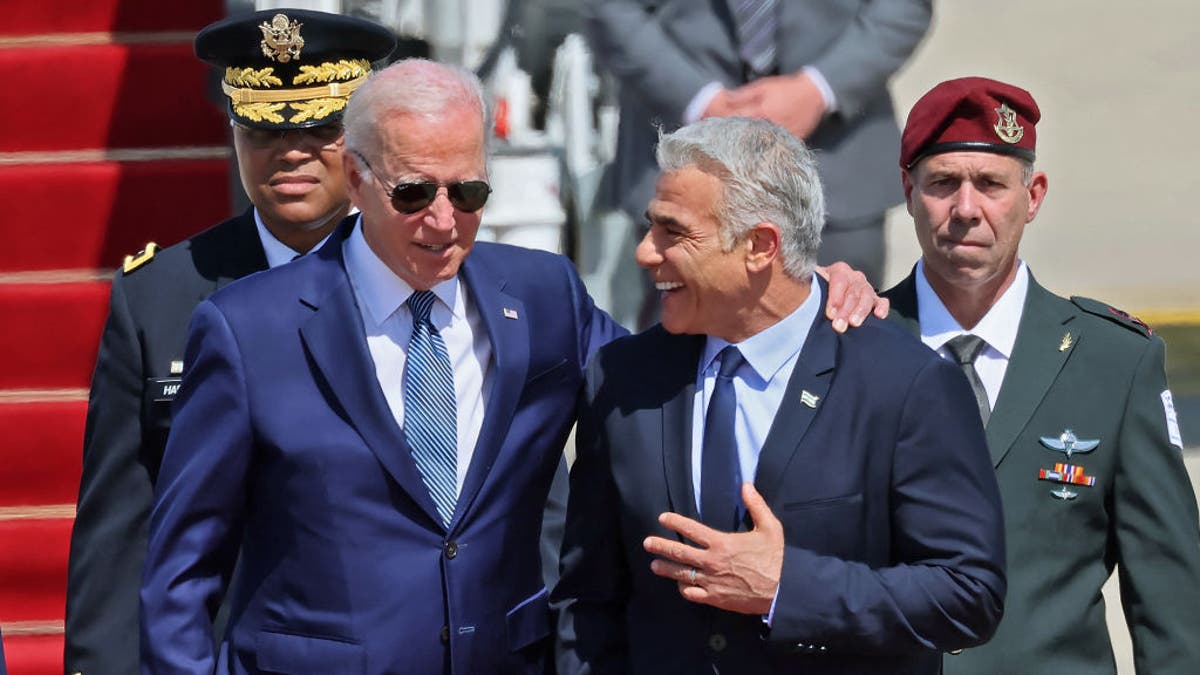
{"points": [[756, 23], [965, 348]]}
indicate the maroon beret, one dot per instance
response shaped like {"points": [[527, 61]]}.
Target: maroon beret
{"points": [[971, 114]]}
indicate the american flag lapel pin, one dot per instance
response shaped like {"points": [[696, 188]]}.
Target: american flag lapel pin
{"points": [[510, 313]]}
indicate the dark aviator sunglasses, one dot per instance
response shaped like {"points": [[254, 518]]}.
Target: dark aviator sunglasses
{"points": [[467, 196]]}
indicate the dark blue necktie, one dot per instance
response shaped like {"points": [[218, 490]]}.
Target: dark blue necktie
{"points": [[430, 413], [720, 471]]}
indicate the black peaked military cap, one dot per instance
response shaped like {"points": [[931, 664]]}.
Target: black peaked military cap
{"points": [[292, 68]]}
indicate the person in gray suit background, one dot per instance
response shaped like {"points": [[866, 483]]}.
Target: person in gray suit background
{"points": [[817, 67]]}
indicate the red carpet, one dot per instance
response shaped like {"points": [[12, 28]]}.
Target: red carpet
{"points": [[109, 209], [106, 96], [51, 434], [61, 16], [34, 654], [51, 333], [109, 141], [31, 584]]}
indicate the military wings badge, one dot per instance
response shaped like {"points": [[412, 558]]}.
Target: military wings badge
{"points": [[1067, 442]]}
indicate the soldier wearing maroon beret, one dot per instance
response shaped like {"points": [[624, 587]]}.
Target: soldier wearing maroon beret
{"points": [[1080, 422]]}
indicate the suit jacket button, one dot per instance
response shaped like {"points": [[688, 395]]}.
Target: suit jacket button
{"points": [[445, 635], [451, 549], [717, 642]]}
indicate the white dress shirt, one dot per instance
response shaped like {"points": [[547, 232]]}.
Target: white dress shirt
{"points": [[998, 327], [760, 383], [387, 321], [278, 253]]}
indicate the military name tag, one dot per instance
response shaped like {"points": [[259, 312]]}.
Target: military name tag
{"points": [[164, 388]]}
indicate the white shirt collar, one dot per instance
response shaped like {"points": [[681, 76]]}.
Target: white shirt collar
{"points": [[766, 352], [278, 253], [998, 327], [380, 290]]}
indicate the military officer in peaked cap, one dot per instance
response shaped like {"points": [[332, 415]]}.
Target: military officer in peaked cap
{"points": [[1080, 422], [287, 75]]}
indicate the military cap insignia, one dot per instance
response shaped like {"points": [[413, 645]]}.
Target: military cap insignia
{"points": [[292, 68], [135, 261], [281, 39], [1006, 125]]}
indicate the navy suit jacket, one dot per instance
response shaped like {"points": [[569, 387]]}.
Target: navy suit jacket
{"points": [[894, 544], [283, 446]]}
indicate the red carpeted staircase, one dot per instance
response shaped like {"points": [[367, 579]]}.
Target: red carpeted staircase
{"points": [[108, 142]]}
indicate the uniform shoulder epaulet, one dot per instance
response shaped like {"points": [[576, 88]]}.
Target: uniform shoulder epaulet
{"points": [[1113, 314], [139, 259]]}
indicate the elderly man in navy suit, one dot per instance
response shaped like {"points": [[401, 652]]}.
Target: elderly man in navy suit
{"points": [[753, 489], [374, 426]]}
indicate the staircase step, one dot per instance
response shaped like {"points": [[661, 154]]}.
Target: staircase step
{"points": [[92, 214], [33, 568], [110, 95], [51, 333], [72, 16], [34, 654], [45, 442]]}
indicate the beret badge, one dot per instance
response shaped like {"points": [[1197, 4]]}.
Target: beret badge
{"points": [[1006, 125]]}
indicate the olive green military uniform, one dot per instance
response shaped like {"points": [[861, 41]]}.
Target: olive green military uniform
{"points": [[1081, 371]]}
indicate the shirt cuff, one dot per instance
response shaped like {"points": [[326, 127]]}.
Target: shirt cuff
{"points": [[699, 103], [770, 616], [822, 86]]}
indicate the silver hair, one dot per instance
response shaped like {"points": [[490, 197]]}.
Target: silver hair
{"points": [[418, 87], [767, 175], [1026, 171]]}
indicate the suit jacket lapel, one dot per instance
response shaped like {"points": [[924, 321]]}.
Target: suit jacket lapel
{"points": [[510, 356], [334, 337], [1034, 365], [813, 375], [681, 359]]}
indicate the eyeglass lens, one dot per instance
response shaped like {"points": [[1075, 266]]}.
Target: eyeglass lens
{"points": [[468, 196]]}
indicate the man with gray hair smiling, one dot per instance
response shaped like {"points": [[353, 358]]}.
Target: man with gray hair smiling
{"points": [[755, 490], [375, 425]]}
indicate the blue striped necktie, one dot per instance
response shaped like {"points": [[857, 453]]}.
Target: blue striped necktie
{"points": [[430, 413]]}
